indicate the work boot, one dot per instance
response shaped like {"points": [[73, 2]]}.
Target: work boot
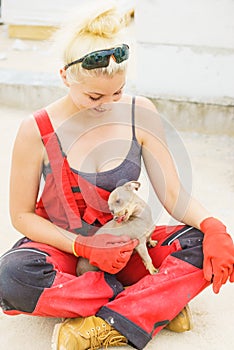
{"points": [[85, 333], [182, 322]]}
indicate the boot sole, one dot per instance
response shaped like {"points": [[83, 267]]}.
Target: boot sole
{"points": [[54, 340]]}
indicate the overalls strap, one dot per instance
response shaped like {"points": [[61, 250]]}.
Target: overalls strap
{"points": [[60, 168]]}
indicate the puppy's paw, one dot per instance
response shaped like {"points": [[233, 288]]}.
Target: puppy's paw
{"points": [[152, 270], [152, 243]]}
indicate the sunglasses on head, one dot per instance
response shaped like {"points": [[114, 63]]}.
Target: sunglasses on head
{"points": [[101, 58]]}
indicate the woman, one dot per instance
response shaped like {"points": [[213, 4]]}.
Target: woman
{"points": [[101, 136]]}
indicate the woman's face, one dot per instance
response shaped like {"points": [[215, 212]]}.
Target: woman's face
{"points": [[92, 92]]}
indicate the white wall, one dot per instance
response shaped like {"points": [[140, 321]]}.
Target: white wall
{"points": [[47, 12], [185, 49], [41, 12]]}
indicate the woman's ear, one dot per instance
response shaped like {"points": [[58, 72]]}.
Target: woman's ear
{"points": [[63, 75]]}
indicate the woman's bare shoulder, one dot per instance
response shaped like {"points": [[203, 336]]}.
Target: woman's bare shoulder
{"points": [[141, 101], [145, 102], [147, 119], [28, 132]]}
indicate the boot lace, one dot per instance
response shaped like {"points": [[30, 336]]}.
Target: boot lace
{"points": [[103, 337]]}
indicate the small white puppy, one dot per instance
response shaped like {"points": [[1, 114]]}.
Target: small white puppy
{"points": [[131, 217]]}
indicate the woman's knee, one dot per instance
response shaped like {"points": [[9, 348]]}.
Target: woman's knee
{"points": [[191, 244], [24, 273]]}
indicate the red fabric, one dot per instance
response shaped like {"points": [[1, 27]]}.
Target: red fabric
{"points": [[130, 274], [156, 299], [69, 296], [58, 203], [150, 300]]}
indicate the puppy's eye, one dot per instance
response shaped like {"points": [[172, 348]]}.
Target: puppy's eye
{"points": [[118, 201]]}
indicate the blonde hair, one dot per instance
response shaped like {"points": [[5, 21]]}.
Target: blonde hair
{"points": [[98, 26]]}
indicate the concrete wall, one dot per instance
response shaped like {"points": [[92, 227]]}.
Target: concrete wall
{"points": [[184, 58], [185, 50], [45, 12], [41, 12]]}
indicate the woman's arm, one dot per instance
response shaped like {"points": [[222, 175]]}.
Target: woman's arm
{"points": [[27, 159], [161, 169], [218, 248]]}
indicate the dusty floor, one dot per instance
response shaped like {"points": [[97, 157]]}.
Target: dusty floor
{"points": [[212, 159]]}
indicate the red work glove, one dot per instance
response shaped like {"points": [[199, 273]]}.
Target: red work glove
{"points": [[109, 253], [218, 251]]}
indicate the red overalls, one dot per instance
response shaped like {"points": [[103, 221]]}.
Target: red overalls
{"points": [[41, 280]]}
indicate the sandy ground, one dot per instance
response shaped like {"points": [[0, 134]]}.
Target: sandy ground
{"points": [[212, 160]]}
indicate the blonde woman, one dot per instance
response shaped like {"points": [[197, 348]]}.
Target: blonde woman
{"points": [[83, 146]]}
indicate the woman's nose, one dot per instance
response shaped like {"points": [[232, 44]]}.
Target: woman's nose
{"points": [[107, 99]]}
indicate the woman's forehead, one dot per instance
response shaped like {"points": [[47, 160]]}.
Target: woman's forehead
{"points": [[104, 84]]}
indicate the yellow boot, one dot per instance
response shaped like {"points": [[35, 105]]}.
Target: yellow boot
{"points": [[182, 322], [94, 333], [85, 333]]}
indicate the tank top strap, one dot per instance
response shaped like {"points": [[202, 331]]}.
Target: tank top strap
{"points": [[133, 118]]}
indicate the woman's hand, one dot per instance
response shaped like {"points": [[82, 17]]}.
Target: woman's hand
{"points": [[109, 253], [218, 251]]}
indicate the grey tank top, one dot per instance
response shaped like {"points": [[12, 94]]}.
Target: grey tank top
{"points": [[128, 170]]}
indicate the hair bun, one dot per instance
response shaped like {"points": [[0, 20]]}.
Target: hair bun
{"points": [[105, 24]]}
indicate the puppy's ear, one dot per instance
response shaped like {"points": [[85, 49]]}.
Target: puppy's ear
{"points": [[132, 185]]}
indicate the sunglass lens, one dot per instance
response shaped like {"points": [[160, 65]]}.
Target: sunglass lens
{"points": [[121, 54], [95, 60]]}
